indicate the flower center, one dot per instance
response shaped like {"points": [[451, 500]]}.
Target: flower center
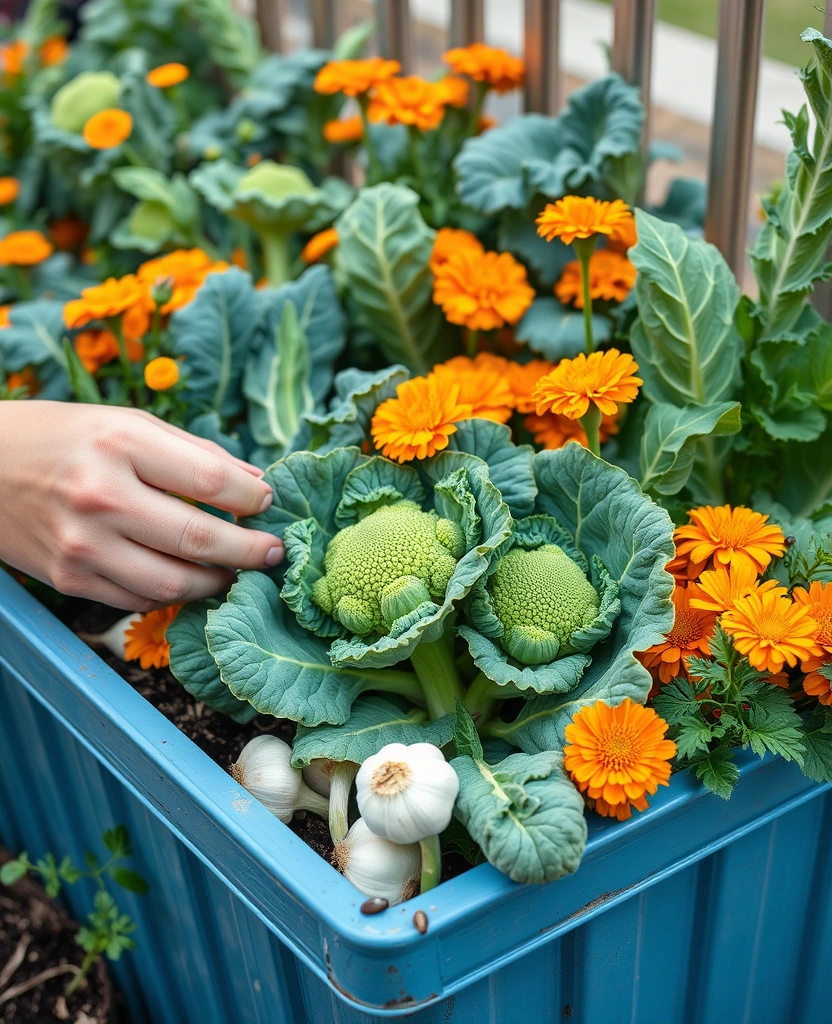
{"points": [[687, 629], [823, 617], [617, 749], [770, 626], [391, 778]]}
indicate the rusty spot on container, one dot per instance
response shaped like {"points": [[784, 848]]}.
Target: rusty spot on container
{"points": [[374, 905], [420, 922]]}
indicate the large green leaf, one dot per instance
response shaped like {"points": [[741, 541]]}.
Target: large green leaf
{"points": [[383, 255], [609, 517], [685, 340], [668, 442], [557, 331], [509, 464], [152, 186], [214, 333], [35, 338], [517, 232], [373, 723]]}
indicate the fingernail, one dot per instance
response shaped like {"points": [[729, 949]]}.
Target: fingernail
{"points": [[267, 500], [274, 556]]}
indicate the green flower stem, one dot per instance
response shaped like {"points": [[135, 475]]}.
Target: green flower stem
{"points": [[339, 799], [434, 665], [591, 422], [431, 862], [584, 247], [24, 283], [114, 323], [480, 699], [472, 339], [132, 156], [86, 967], [278, 265], [405, 684], [374, 170], [476, 110], [413, 140]]}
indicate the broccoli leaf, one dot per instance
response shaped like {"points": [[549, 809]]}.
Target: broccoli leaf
{"points": [[556, 331], [358, 394], [35, 338], [509, 465]]}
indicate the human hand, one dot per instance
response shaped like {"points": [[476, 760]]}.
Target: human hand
{"points": [[83, 505]]}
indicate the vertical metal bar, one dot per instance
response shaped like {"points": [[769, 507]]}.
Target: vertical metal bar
{"points": [[468, 22], [324, 23], [541, 46], [827, 20], [732, 141], [632, 44], [822, 295], [393, 30], [271, 19]]}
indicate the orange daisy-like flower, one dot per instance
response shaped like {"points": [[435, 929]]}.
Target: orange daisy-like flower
{"points": [[108, 128], [616, 756], [482, 291], [483, 385], [497, 68], [354, 77], [772, 631], [116, 296], [689, 636], [817, 600], [454, 90], [419, 420], [611, 276], [729, 535], [95, 348], [604, 378], [347, 129], [722, 586], [12, 56], [68, 233], [26, 380], [449, 241], [409, 100], [144, 639], [24, 249], [167, 75], [553, 431], [319, 245], [161, 373], [187, 268], [522, 378], [9, 190], [576, 217], [53, 51], [5, 318]]}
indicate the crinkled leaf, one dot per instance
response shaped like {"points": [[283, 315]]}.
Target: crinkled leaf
{"points": [[509, 465], [358, 393], [209, 426], [151, 185], [556, 331], [685, 205], [517, 233], [466, 738], [35, 338], [559, 676]]}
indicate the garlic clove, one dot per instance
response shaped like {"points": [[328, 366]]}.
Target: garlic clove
{"points": [[318, 775], [264, 768], [115, 637], [377, 867]]}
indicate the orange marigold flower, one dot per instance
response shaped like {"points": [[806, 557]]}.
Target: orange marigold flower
{"points": [[455, 90], [616, 756], [26, 379], [12, 56], [354, 77], [771, 630], [522, 378], [5, 319], [344, 129], [689, 636], [409, 100], [485, 122], [112, 298], [729, 535], [607, 379], [24, 249], [53, 51], [96, 348], [167, 75], [161, 373], [818, 602], [68, 233], [145, 641], [319, 245], [108, 128], [419, 420], [576, 217], [722, 586], [625, 238], [452, 240], [817, 685], [483, 290], [187, 268], [239, 259], [483, 385], [611, 276], [497, 68], [553, 431], [9, 190]]}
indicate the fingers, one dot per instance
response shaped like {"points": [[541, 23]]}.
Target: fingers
{"points": [[159, 578], [166, 524], [100, 589], [200, 442]]}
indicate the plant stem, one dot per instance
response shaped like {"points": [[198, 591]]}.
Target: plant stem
{"points": [[480, 701], [339, 799], [276, 260], [584, 248], [24, 277], [591, 422], [132, 156], [77, 979], [405, 684], [374, 169], [472, 343], [431, 862], [476, 110], [413, 140], [309, 800], [434, 665], [114, 323]]}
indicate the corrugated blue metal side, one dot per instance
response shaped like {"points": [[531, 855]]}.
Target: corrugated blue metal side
{"points": [[699, 912]]}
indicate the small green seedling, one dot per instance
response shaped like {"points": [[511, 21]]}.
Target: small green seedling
{"points": [[108, 930]]}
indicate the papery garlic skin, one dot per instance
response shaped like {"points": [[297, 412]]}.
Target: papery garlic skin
{"points": [[377, 867], [407, 793], [115, 637], [318, 774], [264, 768]]}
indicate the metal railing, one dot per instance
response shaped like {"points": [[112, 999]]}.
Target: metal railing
{"points": [[739, 48]]}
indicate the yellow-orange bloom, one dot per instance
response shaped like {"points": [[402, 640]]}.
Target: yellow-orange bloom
{"points": [[449, 241], [522, 378], [354, 77], [817, 600], [553, 431], [410, 100], [346, 129], [576, 217], [722, 586], [26, 379], [497, 68], [12, 56], [116, 296], [319, 245], [689, 636], [453, 90], [419, 420], [167, 75], [144, 639], [24, 249], [161, 373], [95, 348], [108, 128], [817, 685], [9, 190], [606, 379], [187, 268], [729, 536], [772, 631], [616, 756], [482, 291], [68, 233], [5, 319], [611, 276], [483, 385], [53, 51]]}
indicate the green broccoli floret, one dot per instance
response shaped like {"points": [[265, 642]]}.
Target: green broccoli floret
{"points": [[385, 566], [541, 598]]}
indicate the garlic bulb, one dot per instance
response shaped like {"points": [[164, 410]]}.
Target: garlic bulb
{"points": [[377, 867], [318, 774], [264, 768], [407, 793], [115, 637]]}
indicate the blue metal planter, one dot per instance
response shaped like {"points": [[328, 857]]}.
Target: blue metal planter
{"points": [[699, 911]]}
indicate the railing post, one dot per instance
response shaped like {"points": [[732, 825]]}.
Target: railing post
{"points": [[541, 30], [271, 19], [467, 22], [632, 45], [324, 27], [732, 141], [393, 30], [822, 295]]}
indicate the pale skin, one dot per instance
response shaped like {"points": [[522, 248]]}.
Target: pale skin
{"points": [[87, 505]]}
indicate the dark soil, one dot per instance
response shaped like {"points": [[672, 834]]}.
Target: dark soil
{"points": [[35, 931]]}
